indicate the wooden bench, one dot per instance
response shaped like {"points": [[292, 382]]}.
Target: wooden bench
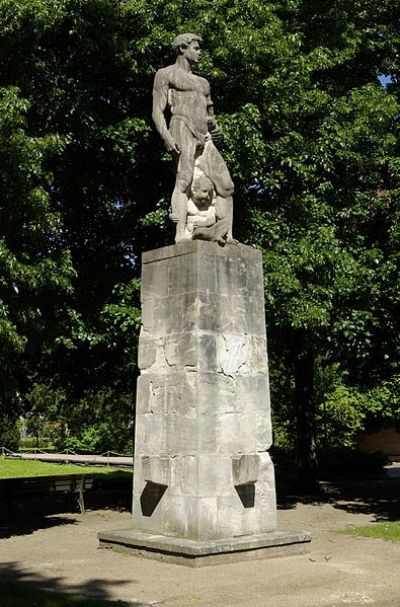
{"points": [[20, 490]]}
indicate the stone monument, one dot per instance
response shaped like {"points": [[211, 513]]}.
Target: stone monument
{"points": [[204, 486], [191, 137]]}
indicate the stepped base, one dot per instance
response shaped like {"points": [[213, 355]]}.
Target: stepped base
{"points": [[195, 553]]}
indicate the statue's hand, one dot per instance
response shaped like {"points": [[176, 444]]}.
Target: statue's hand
{"points": [[171, 145]]}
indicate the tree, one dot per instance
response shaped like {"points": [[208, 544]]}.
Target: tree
{"points": [[35, 271], [78, 73], [311, 142], [326, 227]]}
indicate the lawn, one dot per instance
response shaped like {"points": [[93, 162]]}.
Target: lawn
{"points": [[17, 468], [14, 594], [386, 531]]}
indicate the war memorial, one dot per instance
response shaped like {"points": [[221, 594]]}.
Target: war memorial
{"points": [[204, 488]]}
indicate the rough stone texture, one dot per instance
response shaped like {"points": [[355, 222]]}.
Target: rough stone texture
{"points": [[202, 470], [201, 203], [200, 553]]}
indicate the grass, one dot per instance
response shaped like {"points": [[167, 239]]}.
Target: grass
{"points": [[16, 468], [14, 594], [385, 531]]}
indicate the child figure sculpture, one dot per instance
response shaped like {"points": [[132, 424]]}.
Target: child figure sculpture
{"points": [[201, 221]]}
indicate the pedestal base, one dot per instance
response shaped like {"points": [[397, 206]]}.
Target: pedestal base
{"points": [[194, 553]]}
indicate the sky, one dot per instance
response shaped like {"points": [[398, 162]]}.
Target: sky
{"points": [[384, 80]]}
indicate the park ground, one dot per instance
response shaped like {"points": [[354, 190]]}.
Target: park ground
{"points": [[59, 552]]}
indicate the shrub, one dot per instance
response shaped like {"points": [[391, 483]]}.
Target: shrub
{"points": [[9, 434]]}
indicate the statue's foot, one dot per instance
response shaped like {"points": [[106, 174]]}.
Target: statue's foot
{"points": [[181, 239], [231, 240]]}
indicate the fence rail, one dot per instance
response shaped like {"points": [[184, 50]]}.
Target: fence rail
{"points": [[109, 458]]}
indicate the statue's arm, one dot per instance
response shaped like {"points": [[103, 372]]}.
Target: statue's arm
{"points": [[160, 100], [207, 221], [212, 122], [210, 110]]}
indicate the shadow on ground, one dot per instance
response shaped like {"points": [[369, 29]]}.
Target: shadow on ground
{"points": [[375, 497], [24, 515], [25, 525], [96, 588], [26, 518]]}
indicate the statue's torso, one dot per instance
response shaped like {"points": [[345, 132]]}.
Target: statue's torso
{"points": [[188, 98]]}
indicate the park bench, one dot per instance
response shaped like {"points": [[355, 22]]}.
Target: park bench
{"points": [[20, 490]]}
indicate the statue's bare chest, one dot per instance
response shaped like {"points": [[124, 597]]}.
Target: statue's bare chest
{"points": [[182, 81]]}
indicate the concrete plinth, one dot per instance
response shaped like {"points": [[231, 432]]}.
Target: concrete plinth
{"points": [[202, 472], [194, 553]]}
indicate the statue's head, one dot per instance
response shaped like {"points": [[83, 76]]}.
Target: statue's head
{"points": [[188, 45], [202, 190]]}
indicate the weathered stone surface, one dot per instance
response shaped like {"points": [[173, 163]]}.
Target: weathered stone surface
{"points": [[202, 471], [212, 248], [203, 553], [156, 469], [201, 203], [203, 420], [245, 468]]}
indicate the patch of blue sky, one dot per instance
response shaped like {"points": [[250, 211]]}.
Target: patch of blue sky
{"points": [[384, 79]]}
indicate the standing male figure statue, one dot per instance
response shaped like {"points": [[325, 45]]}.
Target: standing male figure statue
{"points": [[191, 136]]}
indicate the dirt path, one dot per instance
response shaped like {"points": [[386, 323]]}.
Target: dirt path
{"points": [[60, 553]]}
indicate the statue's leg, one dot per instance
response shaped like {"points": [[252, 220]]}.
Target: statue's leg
{"points": [[184, 175], [216, 232], [213, 165], [179, 208], [224, 210]]}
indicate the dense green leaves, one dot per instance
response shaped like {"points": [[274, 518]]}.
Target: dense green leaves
{"points": [[311, 139], [35, 272]]}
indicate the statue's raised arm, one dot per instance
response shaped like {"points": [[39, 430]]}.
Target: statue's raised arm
{"points": [[191, 136]]}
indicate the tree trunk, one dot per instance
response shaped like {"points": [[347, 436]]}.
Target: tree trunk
{"points": [[307, 465]]}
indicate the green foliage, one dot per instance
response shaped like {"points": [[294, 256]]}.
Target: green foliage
{"points": [[89, 441], [35, 273], [345, 410], [68, 77], [111, 435], [340, 417], [311, 139], [9, 435], [323, 213], [99, 421], [382, 405]]}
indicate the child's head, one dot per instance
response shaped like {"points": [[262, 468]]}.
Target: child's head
{"points": [[202, 190]]}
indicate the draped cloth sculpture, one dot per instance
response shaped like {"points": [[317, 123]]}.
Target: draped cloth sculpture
{"points": [[191, 136]]}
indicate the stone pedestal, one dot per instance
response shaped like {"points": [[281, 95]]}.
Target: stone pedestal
{"points": [[203, 478]]}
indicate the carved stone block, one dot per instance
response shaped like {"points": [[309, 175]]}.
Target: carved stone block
{"points": [[203, 419], [203, 479]]}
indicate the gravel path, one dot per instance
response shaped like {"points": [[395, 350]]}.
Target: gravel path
{"points": [[60, 552]]}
